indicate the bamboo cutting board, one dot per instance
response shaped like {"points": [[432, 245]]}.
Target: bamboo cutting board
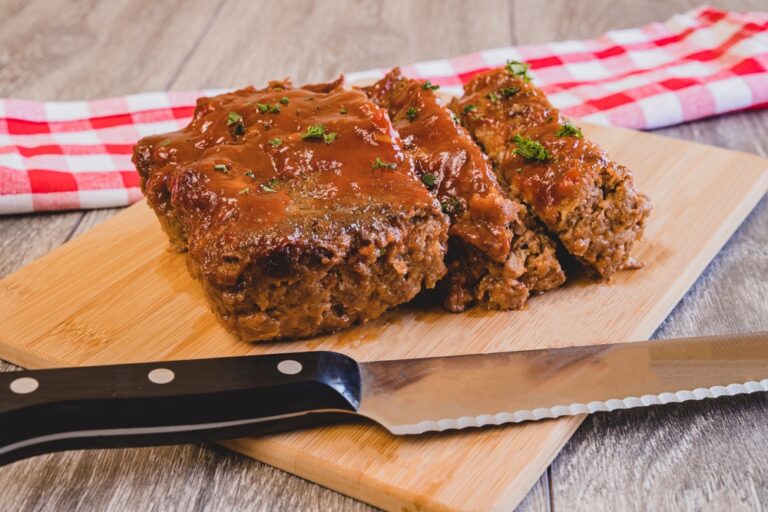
{"points": [[116, 295]]}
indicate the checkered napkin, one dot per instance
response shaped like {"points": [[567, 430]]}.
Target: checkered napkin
{"points": [[73, 155]]}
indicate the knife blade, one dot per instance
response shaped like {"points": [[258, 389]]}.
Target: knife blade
{"points": [[178, 401]]}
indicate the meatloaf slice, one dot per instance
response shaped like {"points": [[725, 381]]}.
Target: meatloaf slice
{"points": [[494, 257], [299, 211], [587, 200]]}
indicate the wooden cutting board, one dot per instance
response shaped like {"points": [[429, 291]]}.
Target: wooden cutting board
{"points": [[116, 295]]}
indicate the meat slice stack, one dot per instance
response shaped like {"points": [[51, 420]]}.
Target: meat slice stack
{"points": [[300, 213], [588, 201], [496, 255], [306, 210]]}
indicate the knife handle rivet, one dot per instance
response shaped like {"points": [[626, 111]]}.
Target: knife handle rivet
{"points": [[161, 376], [24, 385], [289, 367]]}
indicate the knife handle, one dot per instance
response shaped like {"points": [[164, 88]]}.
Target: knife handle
{"points": [[171, 402]]}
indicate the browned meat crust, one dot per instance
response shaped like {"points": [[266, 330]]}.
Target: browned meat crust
{"points": [[569, 183], [299, 211], [494, 258]]}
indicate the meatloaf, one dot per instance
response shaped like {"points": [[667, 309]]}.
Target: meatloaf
{"points": [[494, 258], [297, 206], [588, 201]]}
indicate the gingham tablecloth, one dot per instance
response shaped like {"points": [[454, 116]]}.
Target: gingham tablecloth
{"points": [[77, 154]]}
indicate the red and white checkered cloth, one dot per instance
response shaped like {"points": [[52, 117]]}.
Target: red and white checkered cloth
{"points": [[71, 155]]}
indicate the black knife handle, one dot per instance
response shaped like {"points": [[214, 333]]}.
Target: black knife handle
{"points": [[171, 402]]}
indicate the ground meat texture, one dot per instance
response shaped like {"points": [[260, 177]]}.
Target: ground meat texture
{"points": [[299, 211], [569, 184], [495, 258]]}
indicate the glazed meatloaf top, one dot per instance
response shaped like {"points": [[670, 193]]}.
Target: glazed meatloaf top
{"points": [[275, 177], [449, 163], [491, 248], [570, 184]]}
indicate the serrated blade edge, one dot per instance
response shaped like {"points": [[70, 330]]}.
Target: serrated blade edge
{"points": [[433, 394], [576, 409]]}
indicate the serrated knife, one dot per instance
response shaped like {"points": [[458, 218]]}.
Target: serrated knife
{"points": [[177, 401]]}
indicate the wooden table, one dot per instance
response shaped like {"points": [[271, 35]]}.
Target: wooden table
{"points": [[712, 454]]}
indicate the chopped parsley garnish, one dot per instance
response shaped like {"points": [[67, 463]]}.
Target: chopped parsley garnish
{"points": [[428, 179], [469, 108], [329, 137], [343, 110], [531, 149], [236, 124], [250, 175], [519, 69], [411, 113], [381, 164], [316, 131], [451, 205], [508, 92], [246, 190], [568, 130], [266, 107], [234, 118], [221, 168], [284, 100], [429, 86], [270, 186], [493, 97], [277, 141]]}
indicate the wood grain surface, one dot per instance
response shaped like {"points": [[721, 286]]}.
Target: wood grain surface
{"points": [[117, 294], [677, 457]]}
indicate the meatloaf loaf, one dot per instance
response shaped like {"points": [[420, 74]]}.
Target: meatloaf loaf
{"points": [[587, 200], [494, 258], [299, 211]]}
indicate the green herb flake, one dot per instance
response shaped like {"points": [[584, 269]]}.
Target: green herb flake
{"points": [[568, 130], [451, 205], [429, 86], [236, 124], [221, 168], [343, 110], [411, 113], [381, 164], [316, 131], [270, 186], [234, 118], [277, 141], [266, 107], [246, 190], [250, 175], [508, 92], [493, 97], [519, 69], [469, 108], [428, 179], [530, 149], [329, 137], [284, 100]]}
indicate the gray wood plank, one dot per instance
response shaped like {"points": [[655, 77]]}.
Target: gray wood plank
{"points": [[24, 238], [250, 43]]}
